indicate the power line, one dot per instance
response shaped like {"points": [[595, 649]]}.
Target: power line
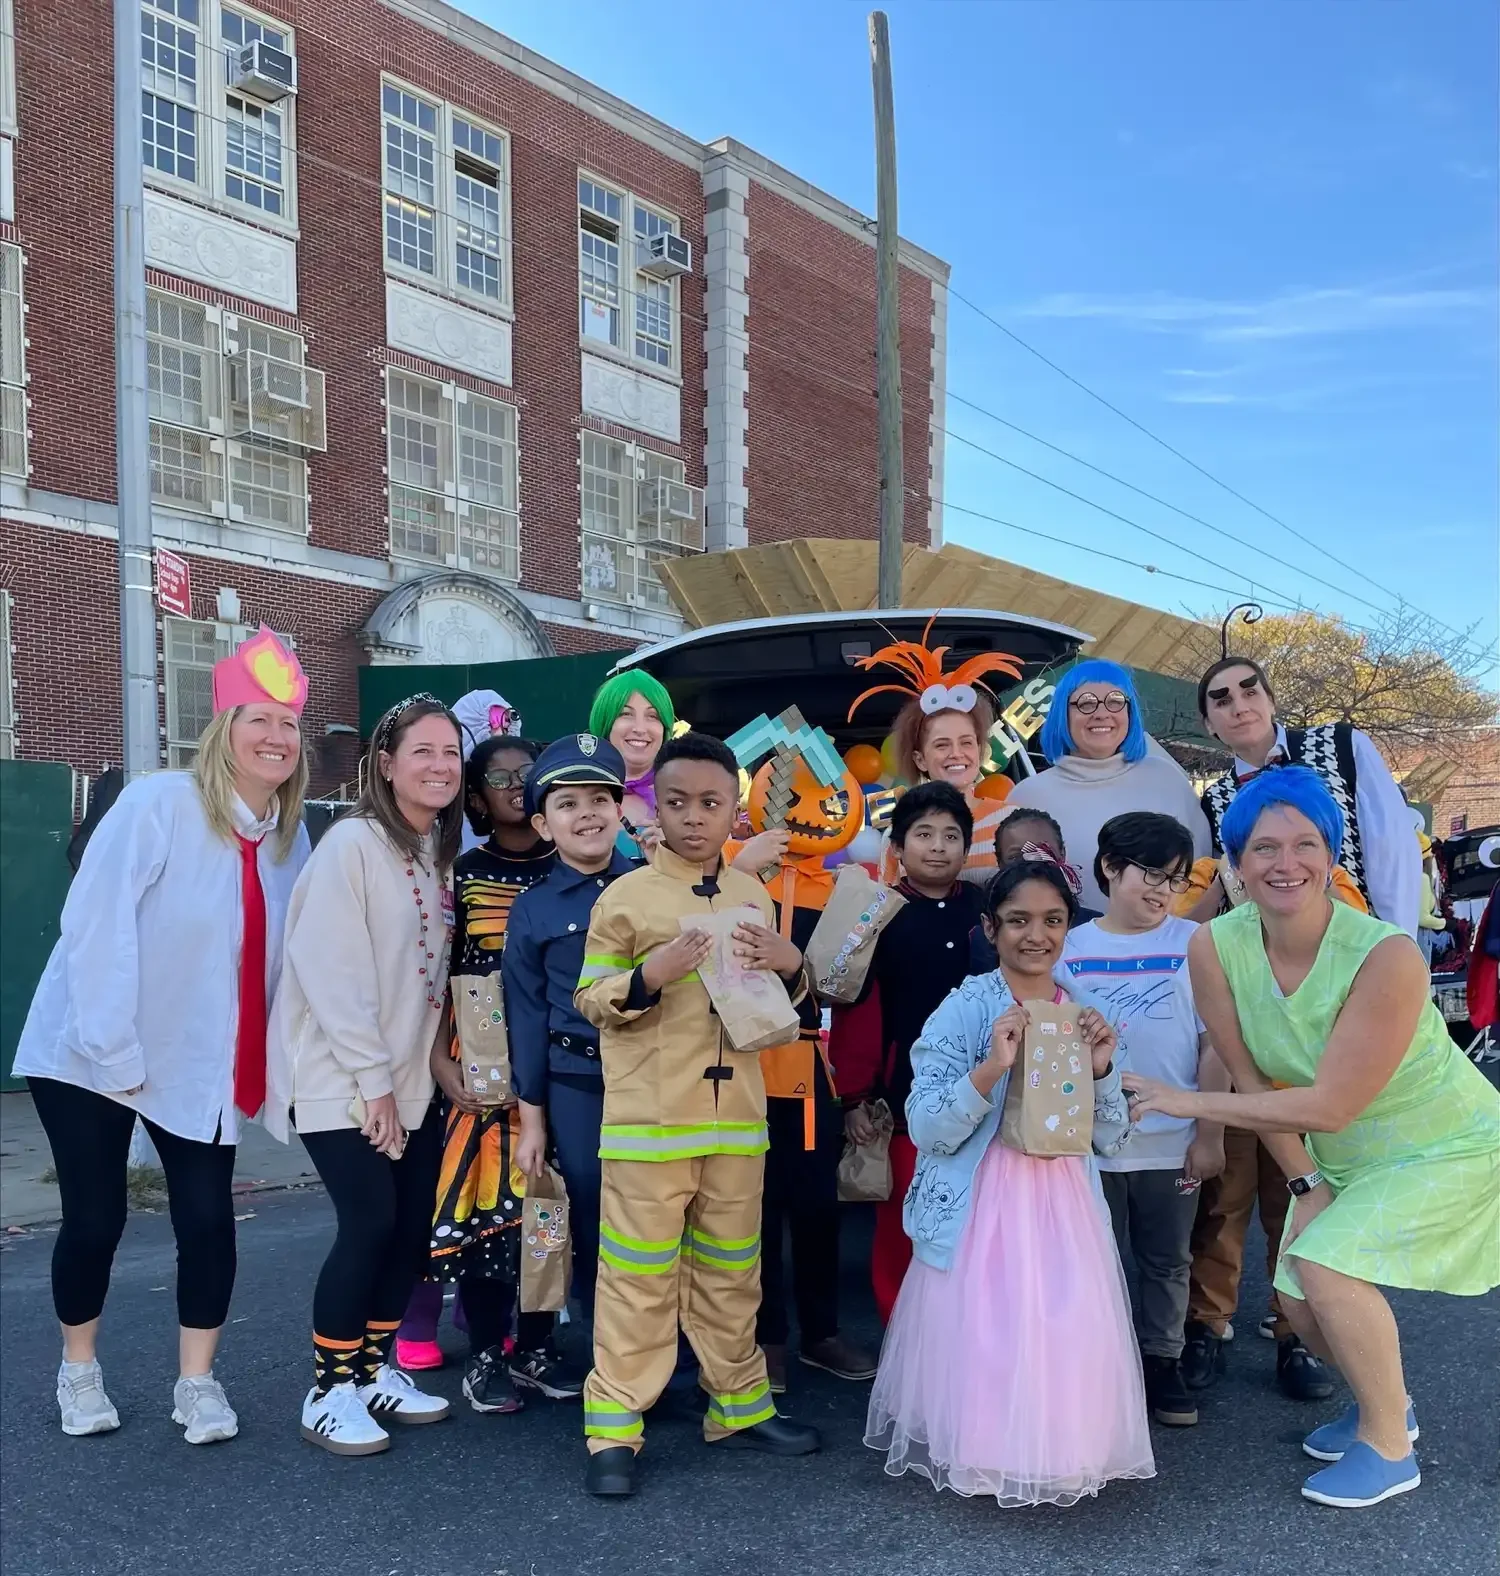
{"points": [[1120, 481], [1177, 453]]}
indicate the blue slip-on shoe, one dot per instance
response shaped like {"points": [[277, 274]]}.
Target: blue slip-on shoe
{"points": [[1329, 1442], [1362, 1477]]}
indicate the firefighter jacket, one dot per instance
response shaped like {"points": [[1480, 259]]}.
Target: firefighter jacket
{"points": [[673, 1087]]}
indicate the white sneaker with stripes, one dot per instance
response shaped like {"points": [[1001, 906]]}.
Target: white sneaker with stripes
{"points": [[392, 1397], [340, 1423]]}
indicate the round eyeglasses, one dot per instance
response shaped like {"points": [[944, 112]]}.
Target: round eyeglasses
{"points": [[1160, 878], [504, 777], [1087, 705]]}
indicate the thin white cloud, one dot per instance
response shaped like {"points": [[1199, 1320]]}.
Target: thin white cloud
{"points": [[1292, 314]]}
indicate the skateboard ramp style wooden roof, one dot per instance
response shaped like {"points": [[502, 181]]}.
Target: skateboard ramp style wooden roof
{"points": [[821, 575]]}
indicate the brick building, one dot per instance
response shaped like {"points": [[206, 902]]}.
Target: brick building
{"points": [[447, 348]]}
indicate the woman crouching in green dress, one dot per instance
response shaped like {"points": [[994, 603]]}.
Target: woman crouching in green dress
{"points": [[1324, 1018]]}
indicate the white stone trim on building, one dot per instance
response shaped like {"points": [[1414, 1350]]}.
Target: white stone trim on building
{"points": [[726, 371], [446, 333], [220, 252], [630, 398], [937, 437]]}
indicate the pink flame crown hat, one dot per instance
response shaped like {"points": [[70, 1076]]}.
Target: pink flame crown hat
{"points": [[262, 669]]}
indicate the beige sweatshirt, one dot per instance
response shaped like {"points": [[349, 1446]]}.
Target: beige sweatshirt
{"points": [[354, 1013]]}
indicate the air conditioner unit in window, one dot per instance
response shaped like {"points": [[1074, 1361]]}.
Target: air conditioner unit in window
{"points": [[664, 256], [274, 398], [264, 72], [669, 516]]}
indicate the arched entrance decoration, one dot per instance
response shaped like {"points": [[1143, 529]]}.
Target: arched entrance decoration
{"points": [[452, 618]]}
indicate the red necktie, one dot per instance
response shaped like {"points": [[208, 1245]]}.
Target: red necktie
{"points": [[250, 1041]]}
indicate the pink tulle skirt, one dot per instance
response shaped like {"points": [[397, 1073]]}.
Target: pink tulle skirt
{"points": [[1015, 1373]]}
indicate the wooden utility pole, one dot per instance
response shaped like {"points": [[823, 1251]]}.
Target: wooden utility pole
{"points": [[888, 286]]}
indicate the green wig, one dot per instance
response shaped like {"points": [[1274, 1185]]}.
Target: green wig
{"points": [[612, 695]]}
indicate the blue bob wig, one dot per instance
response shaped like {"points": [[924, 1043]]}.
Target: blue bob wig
{"points": [[1057, 732], [1298, 788]]}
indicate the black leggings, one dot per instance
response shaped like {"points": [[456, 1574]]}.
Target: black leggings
{"points": [[90, 1138], [384, 1210]]}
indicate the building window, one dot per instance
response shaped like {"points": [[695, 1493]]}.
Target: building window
{"points": [[197, 128], [637, 510], [618, 305], [190, 648], [12, 364], [228, 431], [454, 477], [447, 197], [7, 66], [7, 683]]}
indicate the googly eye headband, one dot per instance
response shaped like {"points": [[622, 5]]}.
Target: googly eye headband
{"points": [[921, 667]]}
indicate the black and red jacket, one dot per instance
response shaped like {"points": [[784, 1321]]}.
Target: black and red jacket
{"points": [[919, 957]]}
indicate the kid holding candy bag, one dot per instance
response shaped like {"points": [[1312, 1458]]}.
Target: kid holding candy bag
{"points": [[1015, 1266]]}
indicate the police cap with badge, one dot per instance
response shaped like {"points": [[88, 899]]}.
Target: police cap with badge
{"points": [[578, 758]]}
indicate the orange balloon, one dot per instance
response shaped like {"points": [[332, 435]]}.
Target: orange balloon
{"points": [[863, 761], [997, 788]]}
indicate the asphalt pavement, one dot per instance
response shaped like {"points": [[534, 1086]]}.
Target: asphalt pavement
{"points": [[498, 1496]]}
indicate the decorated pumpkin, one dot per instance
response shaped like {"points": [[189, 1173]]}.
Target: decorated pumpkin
{"points": [[820, 820]]}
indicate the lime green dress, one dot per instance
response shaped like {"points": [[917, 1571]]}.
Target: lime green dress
{"points": [[1416, 1176]]}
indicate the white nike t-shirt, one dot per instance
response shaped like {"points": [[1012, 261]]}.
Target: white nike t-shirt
{"points": [[1145, 979]]}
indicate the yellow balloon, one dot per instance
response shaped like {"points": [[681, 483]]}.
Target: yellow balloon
{"points": [[889, 764]]}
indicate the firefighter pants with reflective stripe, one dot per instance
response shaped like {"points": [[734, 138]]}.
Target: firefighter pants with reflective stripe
{"points": [[679, 1241]]}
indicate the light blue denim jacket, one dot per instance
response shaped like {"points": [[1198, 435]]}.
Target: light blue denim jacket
{"points": [[952, 1124]]}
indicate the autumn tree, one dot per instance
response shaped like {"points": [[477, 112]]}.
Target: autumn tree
{"points": [[1409, 683]]}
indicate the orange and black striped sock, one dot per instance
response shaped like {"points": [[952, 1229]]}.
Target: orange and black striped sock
{"points": [[380, 1335], [335, 1362]]}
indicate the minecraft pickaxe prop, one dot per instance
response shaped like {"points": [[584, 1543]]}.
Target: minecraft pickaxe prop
{"points": [[784, 738]]}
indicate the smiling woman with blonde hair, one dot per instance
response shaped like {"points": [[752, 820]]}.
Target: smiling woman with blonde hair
{"points": [[154, 1004]]}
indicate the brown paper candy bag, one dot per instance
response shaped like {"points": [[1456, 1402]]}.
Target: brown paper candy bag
{"points": [[1049, 1097], [752, 1004], [865, 1170], [546, 1244], [484, 1051], [841, 948]]}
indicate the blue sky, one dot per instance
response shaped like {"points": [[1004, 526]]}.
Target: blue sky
{"points": [[1267, 231]]}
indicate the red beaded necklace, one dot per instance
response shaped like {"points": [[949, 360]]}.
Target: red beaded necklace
{"points": [[434, 975]]}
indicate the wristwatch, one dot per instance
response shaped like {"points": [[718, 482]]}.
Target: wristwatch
{"points": [[1297, 1186]]}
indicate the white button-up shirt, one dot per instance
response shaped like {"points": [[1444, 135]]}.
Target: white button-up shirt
{"points": [[143, 984], [1387, 834]]}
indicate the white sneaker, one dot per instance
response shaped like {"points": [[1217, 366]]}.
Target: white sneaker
{"points": [[200, 1405], [393, 1398], [81, 1398], [339, 1423]]}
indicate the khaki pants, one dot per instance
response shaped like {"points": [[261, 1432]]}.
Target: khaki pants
{"points": [[1250, 1176], [679, 1241]]}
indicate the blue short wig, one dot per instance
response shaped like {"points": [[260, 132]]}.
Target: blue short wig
{"points": [[1299, 788], [1057, 731]]}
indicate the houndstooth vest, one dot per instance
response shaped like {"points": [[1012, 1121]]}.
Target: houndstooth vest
{"points": [[1329, 751]]}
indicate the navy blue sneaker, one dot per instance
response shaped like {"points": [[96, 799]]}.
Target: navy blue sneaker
{"points": [[1329, 1442], [1362, 1477]]}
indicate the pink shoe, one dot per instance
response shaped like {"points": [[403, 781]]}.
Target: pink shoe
{"points": [[414, 1355]]}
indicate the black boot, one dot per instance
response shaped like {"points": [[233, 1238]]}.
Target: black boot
{"points": [[1169, 1399], [1301, 1376], [611, 1472], [1202, 1356], [777, 1436]]}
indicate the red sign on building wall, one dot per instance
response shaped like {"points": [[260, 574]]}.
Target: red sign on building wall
{"points": [[172, 592]]}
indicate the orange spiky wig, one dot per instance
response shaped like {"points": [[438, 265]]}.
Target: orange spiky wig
{"points": [[926, 683]]}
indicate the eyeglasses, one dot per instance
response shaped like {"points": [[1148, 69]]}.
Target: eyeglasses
{"points": [[1087, 705], [502, 777], [1160, 878]]}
